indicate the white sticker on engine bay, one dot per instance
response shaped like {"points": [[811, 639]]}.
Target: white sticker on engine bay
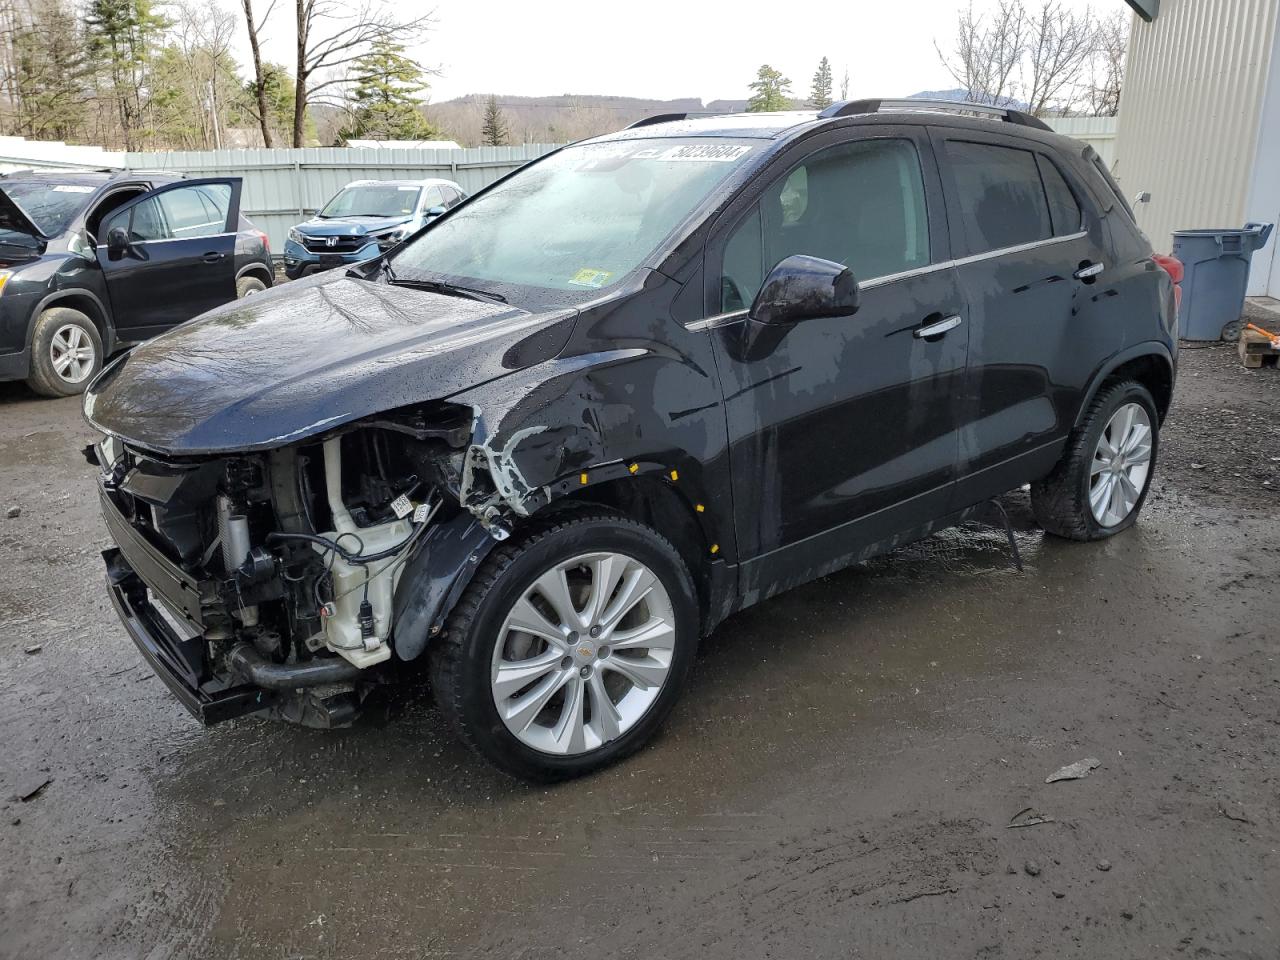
{"points": [[706, 152]]}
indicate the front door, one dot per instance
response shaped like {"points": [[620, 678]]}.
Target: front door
{"points": [[180, 259], [843, 435], [1029, 263]]}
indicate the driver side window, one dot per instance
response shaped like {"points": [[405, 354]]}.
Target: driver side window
{"points": [[142, 223], [858, 204]]}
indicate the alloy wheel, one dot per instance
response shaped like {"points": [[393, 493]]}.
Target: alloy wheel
{"points": [[583, 653], [72, 353], [1121, 464]]}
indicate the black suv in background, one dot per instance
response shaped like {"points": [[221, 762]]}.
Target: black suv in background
{"points": [[91, 262], [639, 384]]}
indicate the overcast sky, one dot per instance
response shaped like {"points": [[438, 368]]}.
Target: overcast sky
{"points": [[667, 49]]}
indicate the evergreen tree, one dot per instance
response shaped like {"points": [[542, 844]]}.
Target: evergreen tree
{"points": [[386, 105], [771, 91], [820, 89], [494, 131], [121, 36], [50, 74]]}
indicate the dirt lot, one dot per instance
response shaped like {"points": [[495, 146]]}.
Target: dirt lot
{"points": [[838, 781]]}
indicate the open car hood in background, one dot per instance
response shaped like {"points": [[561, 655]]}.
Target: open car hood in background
{"points": [[13, 217], [309, 356]]}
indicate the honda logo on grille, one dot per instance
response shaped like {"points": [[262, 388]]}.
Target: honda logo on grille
{"points": [[330, 241]]}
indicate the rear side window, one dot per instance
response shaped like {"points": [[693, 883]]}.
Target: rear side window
{"points": [[1001, 198], [859, 204], [1063, 208]]}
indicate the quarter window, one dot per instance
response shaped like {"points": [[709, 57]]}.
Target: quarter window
{"points": [[1002, 201], [1063, 208], [858, 204]]}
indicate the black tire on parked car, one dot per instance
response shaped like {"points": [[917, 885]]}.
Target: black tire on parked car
{"points": [[248, 286], [558, 701], [66, 353], [1099, 486]]}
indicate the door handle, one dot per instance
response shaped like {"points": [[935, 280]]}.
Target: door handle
{"points": [[938, 328], [212, 257], [1089, 271]]}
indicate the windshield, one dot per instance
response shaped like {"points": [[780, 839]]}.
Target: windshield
{"points": [[373, 200], [581, 219], [50, 206]]}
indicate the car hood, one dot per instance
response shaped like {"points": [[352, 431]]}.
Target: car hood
{"points": [[13, 217], [309, 356], [349, 226]]}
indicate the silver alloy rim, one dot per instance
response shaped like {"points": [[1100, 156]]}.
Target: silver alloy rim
{"points": [[72, 354], [1121, 464], [583, 654]]}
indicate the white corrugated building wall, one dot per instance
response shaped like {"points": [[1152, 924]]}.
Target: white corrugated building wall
{"points": [[1199, 124]]}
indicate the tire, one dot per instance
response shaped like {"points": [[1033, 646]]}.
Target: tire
{"points": [[61, 331], [477, 644], [248, 286], [1062, 501]]}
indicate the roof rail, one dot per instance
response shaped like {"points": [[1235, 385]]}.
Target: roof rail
{"points": [[848, 108], [657, 118], [671, 117]]}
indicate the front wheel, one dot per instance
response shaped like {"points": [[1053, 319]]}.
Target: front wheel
{"points": [[1099, 486], [569, 647], [66, 353]]}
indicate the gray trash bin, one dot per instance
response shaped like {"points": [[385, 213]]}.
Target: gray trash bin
{"points": [[1217, 274]]}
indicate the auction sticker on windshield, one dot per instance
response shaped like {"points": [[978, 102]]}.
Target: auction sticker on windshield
{"points": [[587, 277], [706, 152]]}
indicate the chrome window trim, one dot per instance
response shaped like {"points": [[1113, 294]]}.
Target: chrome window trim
{"points": [[723, 319]]}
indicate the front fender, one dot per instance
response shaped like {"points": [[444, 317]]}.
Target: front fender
{"points": [[433, 580]]}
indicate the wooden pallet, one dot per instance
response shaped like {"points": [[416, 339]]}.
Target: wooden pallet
{"points": [[1256, 350]]}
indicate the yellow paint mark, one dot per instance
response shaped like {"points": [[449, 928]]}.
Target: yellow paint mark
{"points": [[675, 474], [634, 467], [582, 479], [700, 508], [715, 548]]}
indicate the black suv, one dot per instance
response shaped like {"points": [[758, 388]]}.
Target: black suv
{"points": [[637, 385], [90, 262]]}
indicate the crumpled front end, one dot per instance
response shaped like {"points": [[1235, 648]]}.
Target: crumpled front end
{"points": [[268, 581]]}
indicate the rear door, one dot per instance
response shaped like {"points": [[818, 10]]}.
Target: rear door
{"points": [[1028, 260], [181, 256]]}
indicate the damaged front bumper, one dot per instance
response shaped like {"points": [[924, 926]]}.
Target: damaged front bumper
{"points": [[141, 580]]}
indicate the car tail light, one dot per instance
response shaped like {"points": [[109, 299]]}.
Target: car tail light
{"points": [[266, 244], [1173, 267]]}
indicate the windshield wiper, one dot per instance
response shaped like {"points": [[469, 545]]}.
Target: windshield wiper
{"points": [[442, 286]]}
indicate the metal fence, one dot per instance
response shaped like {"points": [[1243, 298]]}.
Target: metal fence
{"points": [[283, 187]]}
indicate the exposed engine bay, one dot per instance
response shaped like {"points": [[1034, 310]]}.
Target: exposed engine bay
{"points": [[297, 553]]}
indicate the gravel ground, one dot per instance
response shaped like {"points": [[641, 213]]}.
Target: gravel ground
{"points": [[839, 780]]}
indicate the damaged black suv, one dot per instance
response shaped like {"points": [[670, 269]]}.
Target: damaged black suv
{"points": [[637, 385]]}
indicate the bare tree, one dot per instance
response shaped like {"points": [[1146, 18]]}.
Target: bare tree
{"points": [[987, 52], [333, 35], [1060, 45], [1111, 40], [259, 76]]}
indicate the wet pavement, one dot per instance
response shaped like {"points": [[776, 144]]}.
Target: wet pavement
{"points": [[838, 780]]}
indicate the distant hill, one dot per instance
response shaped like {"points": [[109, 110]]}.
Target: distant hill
{"points": [[562, 118], [566, 117]]}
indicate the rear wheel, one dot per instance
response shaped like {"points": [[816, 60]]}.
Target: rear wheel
{"points": [[1099, 486], [248, 286], [66, 353], [569, 648]]}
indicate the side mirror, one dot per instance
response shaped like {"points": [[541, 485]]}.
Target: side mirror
{"points": [[117, 243], [436, 211], [798, 288]]}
